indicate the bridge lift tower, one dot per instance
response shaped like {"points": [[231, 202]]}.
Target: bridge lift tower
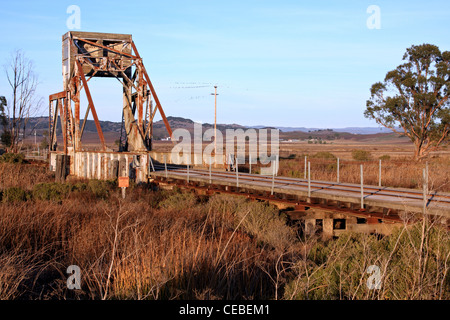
{"points": [[86, 55]]}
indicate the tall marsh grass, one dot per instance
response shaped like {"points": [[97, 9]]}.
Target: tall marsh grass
{"points": [[176, 245], [402, 173]]}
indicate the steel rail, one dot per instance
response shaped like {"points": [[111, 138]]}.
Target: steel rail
{"points": [[315, 184]]}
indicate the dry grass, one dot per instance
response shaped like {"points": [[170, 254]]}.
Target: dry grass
{"points": [[394, 173], [399, 169], [151, 245], [412, 264], [173, 245], [24, 176]]}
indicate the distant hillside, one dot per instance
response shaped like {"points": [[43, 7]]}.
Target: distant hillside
{"points": [[356, 130], [40, 125], [159, 129], [330, 135]]}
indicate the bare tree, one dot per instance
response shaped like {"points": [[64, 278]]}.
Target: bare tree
{"points": [[24, 101]]}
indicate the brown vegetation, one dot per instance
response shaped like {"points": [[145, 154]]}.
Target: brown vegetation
{"points": [[394, 173], [176, 245]]}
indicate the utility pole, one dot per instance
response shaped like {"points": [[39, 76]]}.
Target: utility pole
{"points": [[215, 119]]}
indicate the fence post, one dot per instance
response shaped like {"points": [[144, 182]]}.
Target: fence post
{"points": [[277, 163], [379, 174], [337, 170], [273, 178], [165, 165], [309, 180], [237, 173], [187, 166], [210, 161], [151, 163], [304, 176], [362, 188]]}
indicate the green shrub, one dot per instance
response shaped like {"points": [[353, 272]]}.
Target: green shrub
{"points": [[14, 194], [385, 157], [361, 155], [323, 155], [79, 186], [179, 201], [265, 223], [12, 158], [100, 188], [157, 197], [258, 219], [337, 269], [57, 191], [51, 191]]}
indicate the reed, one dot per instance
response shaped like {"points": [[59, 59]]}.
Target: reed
{"points": [[177, 245], [402, 173]]}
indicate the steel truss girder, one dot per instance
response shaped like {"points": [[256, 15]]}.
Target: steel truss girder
{"points": [[106, 60]]}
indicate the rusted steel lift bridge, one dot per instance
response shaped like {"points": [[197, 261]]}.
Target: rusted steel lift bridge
{"points": [[330, 207]]}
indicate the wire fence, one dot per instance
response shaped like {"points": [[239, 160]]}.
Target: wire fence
{"points": [[382, 173], [35, 154], [399, 173]]}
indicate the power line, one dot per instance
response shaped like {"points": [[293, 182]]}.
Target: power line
{"points": [[192, 87]]}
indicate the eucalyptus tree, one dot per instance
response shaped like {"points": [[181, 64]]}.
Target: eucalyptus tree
{"points": [[413, 99]]}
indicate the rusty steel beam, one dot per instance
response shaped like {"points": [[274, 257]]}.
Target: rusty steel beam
{"points": [[85, 119], [70, 119], [50, 123], [77, 143], [297, 204], [60, 99], [91, 103], [155, 96], [52, 126], [66, 125], [107, 48], [55, 124], [140, 100], [85, 55], [63, 121], [76, 98], [58, 95]]}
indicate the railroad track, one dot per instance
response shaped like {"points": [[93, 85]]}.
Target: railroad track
{"points": [[411, 194]]}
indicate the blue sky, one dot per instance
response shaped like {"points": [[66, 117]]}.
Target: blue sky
{"points": [[278, 63]]}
